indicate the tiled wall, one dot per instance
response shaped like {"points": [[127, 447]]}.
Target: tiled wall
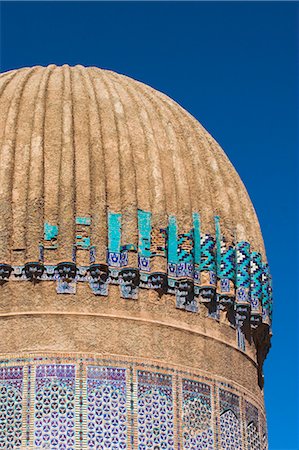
{"points": [[69, 403]]}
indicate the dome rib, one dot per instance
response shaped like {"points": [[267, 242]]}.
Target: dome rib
{"points": [[83, 186], [177, 144], [183, 207], [199, 161], [158, 153], [35, 205], [20, 187], [81, 143], [67, 174], [52, 151], [98, 172], [150, 156], [129, 227], [138, 140], [111, 146], [183, 125]]}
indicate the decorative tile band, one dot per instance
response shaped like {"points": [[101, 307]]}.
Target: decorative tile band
{"points": [[195, 266], [88, 403]]}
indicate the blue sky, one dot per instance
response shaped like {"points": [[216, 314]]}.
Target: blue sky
{"points": [[233, 66]]}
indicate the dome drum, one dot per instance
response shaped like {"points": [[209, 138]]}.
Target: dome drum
{"points": [[199, 268]]}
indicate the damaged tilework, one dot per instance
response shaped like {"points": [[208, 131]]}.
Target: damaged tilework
{"points": [[114, 239], [87, 403], [185, 255], [82, 232], [197, 249], [194, 266], [266, 294], [144, 244], [50, 236]]}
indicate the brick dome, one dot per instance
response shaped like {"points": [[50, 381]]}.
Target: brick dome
{"points": [[81, 141], [112, 194], [95, 165]]}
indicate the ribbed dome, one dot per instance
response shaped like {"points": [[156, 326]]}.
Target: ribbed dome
{"points": [[116, 198], [80, 142]]}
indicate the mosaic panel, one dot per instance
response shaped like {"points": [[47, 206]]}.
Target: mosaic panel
{"points": [[252, 427], [155, 411], [54, 417], [70, 403], [106, 408], [230, 421], [253, 439], [11, 391], [197, 416], [208, 258], [264, 435]]}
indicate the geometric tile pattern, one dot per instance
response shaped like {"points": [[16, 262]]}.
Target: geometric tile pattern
{"points": [[106, 408], [197, 416], [227, 265], [54, 424], [85, 403], [252, 427], [155, 411], [208, 257], [230, 420], [231, 437], [185, 247], [256, 281], [11, 391], [242, 272], [253, 438]]}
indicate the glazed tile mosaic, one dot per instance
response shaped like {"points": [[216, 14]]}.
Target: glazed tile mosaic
{"points": [[197, 415], [11, 414], [54, 405], [198, 267], [106, 408], [155, 410], [230, 420], [71, 403]]}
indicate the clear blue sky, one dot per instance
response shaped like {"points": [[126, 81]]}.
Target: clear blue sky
{"points": [[233, 66]]}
